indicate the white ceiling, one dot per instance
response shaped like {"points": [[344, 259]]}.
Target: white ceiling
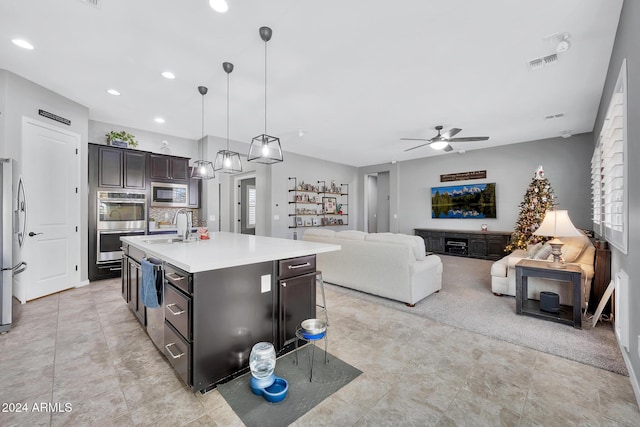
{"points": [[355, 76]]}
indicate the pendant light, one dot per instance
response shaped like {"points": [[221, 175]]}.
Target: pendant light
{"points": [[202, 169], [227, 161], [265, 148]]}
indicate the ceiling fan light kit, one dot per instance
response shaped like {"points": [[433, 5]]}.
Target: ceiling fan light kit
{"points": [[438, 145], [441, 140]]}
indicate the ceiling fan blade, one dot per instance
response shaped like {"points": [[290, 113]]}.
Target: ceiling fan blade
{"points": [[415, 139], [417, 146], [448, 148], [469, 139], [451, 132]]}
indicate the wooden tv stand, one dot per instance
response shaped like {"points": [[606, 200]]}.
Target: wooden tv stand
{"points": [[473, 244]]}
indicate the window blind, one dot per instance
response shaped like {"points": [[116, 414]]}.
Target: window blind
{"points": [[609, 171]]}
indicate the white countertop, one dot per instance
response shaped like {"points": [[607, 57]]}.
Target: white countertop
{"points": [[225, 249]]}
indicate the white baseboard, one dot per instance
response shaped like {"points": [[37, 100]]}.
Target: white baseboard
{"points": [[632, 374]]}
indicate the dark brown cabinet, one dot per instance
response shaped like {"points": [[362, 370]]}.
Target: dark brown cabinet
{"points": [[135, 170], [474, 244], [168, 168], [118, 167], [132, 281], [296, 295]]}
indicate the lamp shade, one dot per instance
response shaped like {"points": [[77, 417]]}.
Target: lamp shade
{"points": [[202, 169], [265, 149], [557, 224], [227, 162]]}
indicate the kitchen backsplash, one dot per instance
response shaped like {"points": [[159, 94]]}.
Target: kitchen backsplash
{"points": [[167, 214]]}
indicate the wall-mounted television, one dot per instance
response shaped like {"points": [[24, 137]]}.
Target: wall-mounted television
{"points": [[464, 201]]}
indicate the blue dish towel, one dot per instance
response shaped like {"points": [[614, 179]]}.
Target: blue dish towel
{"points": [[148, 292]]}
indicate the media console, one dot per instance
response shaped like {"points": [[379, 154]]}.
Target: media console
{"points": [[473, 244]]}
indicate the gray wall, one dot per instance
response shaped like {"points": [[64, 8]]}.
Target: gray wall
{"points": [[309, 170], [566, 162], [23, 98], [626, 46], [147, 141], [384, 196], [371, 189]]}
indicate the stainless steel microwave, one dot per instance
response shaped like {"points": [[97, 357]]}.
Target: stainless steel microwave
{"points": [[169, 195]]}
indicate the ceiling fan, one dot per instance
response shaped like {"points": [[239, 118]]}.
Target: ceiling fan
{"points": [[441, 140]]}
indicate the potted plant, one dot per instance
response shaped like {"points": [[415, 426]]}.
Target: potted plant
{"points": [[121, 139]]}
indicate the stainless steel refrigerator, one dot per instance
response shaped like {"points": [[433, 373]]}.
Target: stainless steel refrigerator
{"points": [[13, 210]]}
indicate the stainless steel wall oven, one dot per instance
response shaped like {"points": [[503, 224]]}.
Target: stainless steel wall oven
{"points": [[118, 214]]}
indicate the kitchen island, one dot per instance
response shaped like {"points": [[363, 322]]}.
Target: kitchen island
{"points": [[220, 297]]}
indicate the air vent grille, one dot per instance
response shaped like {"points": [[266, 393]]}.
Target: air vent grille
{"points": [[554, 116], [538, 63]]}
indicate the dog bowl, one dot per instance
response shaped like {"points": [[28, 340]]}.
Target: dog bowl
{"points": [[277, 391], [313, 327], [312, 337], [258, 385]]}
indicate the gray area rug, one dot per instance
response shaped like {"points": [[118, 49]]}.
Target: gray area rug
{"points": [[466, 302], [302, 396]]}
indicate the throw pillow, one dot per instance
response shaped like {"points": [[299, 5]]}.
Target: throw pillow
{"points": [[543, 252], [573, 247], [533, 249]]}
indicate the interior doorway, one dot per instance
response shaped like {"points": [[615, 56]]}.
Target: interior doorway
{"points": [[377, 202], [246, 198]]}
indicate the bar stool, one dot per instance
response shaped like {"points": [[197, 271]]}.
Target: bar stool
{"points": [[312, 340]]}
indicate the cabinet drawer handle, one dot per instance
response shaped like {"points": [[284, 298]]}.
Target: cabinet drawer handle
{"points": [[174, 276], [175, 313], [171, 352], [293, 267], [284, 284]]}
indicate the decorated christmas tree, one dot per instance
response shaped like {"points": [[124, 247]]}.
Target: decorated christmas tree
{"points": [[537, 200]]}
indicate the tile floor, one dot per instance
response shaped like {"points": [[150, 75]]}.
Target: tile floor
{"points": [[84, 347]]}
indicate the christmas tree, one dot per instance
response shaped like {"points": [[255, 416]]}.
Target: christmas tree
{"points": [[537, 200]]}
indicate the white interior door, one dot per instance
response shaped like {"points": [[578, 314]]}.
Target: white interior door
{"points": [[50, 172]]}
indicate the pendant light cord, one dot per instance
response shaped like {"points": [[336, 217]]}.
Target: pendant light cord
{"points": [[265, 87], [227, 111], [202, 139]]}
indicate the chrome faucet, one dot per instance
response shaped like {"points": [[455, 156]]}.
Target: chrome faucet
{"points": [[184, 227]]}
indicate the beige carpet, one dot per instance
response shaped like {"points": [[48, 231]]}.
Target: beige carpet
{"points": [[466, 302]]}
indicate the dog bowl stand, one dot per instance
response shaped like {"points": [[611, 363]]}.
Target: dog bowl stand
{"points": [[312, 339]]}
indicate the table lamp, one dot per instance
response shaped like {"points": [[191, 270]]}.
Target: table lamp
{"points": [[557, 224]]}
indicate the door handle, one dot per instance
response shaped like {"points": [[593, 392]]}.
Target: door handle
{"points": [[31, 234]]}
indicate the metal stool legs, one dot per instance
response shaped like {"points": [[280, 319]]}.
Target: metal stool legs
{"points": [[311, 352]]}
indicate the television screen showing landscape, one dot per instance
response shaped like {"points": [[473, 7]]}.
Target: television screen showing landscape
{"points": [[464, 201]]}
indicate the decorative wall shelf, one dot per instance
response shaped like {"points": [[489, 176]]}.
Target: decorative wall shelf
{"points": [[318, 205]]}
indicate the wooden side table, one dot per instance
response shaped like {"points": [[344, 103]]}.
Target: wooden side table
{"points": [[572, 274]]}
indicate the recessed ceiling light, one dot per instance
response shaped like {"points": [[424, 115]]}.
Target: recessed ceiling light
{"points": [[168, 75], [113, 92], [159, 120], [22, 43], [220, 6]]}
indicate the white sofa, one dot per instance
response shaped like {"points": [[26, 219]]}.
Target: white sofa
{"points": [[389, 265], [576, 250]]}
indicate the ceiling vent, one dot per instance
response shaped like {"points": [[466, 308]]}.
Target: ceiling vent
{"points": [[554, 116], [538, 63]]}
